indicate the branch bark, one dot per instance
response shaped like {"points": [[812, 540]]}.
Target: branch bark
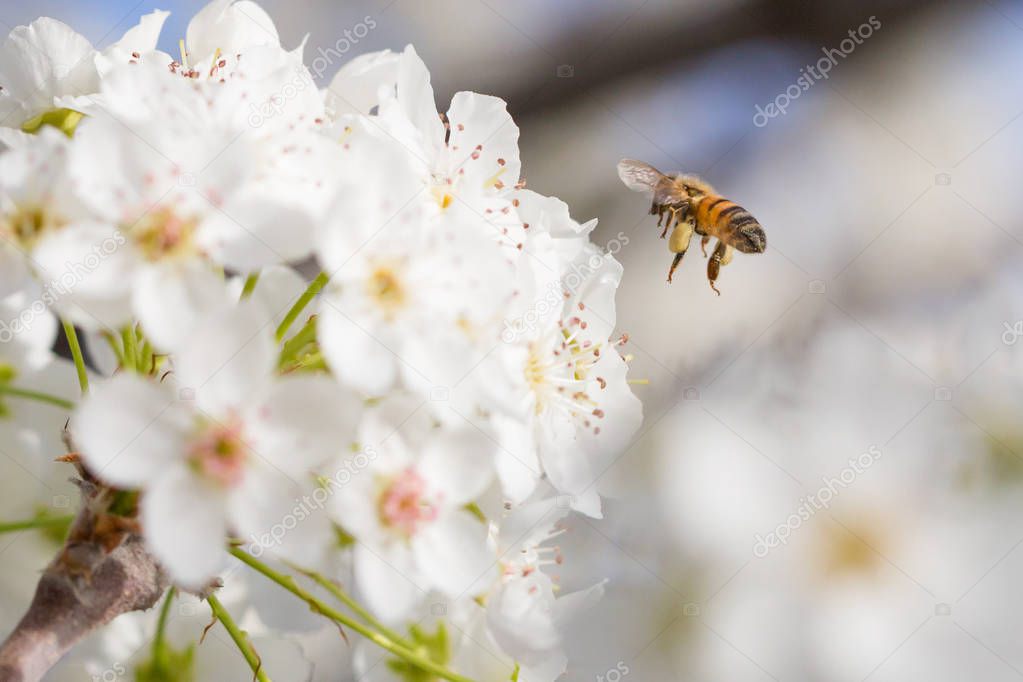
{"points": [[102, 571]]}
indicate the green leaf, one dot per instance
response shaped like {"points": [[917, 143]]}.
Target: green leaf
{"points": [[64, 120], [435, 647], [168, 665], [343, 537], [125, 503], [56, 532]]}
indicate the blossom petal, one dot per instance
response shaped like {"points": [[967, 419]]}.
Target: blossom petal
{"points": [[184, 524], [276, 513], [388, 581], [516, 461], [44, 60], [256, 229], [138, 40], [14, 270], [355, 88], [170, 300], [452, 554], [460, 465], [27, 330], [228, 359], [416, 99], [521, 618], [89, 269], [358, 359], [230, 27], [302, 421], [130, 431], [487, 139]]}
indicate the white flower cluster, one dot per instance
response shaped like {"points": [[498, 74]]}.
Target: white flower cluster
{"points": [[380, 413]]}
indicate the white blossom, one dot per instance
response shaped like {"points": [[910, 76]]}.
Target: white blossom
{"points": [[231, 451]]}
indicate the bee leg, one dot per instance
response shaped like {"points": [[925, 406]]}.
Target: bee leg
{"points": [[667, 225], [703, 244], [679, 244], [714, 265], [674, 264]]}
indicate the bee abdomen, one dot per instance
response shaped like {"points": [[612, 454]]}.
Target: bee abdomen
{"points": [[745, 233], [748, 235]]}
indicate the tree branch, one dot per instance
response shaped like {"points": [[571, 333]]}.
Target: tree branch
{"points": [[102, 571]]}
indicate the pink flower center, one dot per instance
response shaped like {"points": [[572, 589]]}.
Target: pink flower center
{"points": [[219, 453], [403, 503]]}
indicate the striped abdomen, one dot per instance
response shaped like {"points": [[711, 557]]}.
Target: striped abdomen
{"points": [[730, 223]]}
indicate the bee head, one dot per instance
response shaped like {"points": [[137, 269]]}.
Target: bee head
{"points": [[695, 186]]}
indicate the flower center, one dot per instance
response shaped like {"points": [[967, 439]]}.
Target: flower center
{"points": [[535, 369], [26, 224], [559, 377], [163, 234], [851, 551], [442, 195], [403, 503], [219, 453], [384, 287]]}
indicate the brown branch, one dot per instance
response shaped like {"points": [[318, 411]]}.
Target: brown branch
{"points": [[102, 571]]}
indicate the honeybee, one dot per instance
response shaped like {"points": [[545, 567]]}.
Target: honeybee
{"points": [[692, 205]]}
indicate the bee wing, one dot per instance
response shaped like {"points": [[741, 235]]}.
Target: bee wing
{"points": [[639, 176]]}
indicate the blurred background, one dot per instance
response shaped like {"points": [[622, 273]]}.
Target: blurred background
{"points": [[829, 481]]}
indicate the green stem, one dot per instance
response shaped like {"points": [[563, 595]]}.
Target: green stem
{"points": [[6, 389], [115, 347], [314, 288], [345, 599], [76, 354], [378, 638], [131, 360], [294, 345], [239, 637], [160, 641], [33, 524], [250, 285], [146, 357]]}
